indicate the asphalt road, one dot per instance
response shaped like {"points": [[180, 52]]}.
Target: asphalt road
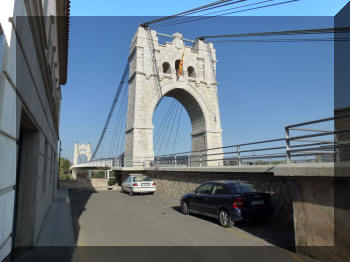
{"points": [[112, 218]]}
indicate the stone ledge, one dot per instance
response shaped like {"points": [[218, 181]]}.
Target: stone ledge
{"points": [[341, 169]]}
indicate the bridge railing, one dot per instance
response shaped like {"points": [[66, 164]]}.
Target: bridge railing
{"points": [[301, 143]]}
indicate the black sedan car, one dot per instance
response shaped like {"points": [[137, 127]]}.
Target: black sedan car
{"points": [[227, 201]]}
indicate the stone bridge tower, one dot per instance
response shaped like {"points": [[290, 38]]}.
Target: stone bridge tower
{"points": [[153, 74], [81, 149]]}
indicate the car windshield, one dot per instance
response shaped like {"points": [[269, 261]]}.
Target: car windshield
{"points": [[141, 178], [241, 188]]}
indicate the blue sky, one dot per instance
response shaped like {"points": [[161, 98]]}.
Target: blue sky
{"points": [[262, 86]]}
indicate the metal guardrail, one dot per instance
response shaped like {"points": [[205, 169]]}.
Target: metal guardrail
{"points": [[292, 148], [311, 144]]}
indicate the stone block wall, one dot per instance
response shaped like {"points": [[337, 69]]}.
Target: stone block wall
{"points": [[175, 185], [312, 205]]}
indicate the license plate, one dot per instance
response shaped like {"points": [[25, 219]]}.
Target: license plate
{"points": [[257, 202], [144, 184]]}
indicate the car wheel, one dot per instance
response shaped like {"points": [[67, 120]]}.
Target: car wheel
{"points": [[224, 219], [185, 208]]}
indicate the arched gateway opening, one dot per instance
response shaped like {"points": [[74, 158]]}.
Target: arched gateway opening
{"points": [[182, 118], [197, 94]]}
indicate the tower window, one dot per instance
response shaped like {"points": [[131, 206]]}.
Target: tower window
{"points": [[166, 68], [191, 72]]}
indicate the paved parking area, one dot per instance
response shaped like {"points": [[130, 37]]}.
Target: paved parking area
{"points": [[112, 218]]}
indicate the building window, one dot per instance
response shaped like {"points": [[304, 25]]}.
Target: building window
{"points": [[191, 72], [166, 68]]}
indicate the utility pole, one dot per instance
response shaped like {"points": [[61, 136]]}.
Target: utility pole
{"points": [[59, 164]]}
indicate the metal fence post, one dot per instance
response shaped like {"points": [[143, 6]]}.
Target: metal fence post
{"points": [[337, 150], [287, 145], [175, 160], [200, 158], [239, 155]]}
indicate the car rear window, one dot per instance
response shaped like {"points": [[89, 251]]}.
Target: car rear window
{"points": [[141, 178], [242, 188]]}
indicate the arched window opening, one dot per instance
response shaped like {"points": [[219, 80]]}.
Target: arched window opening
{"points": [[190, 71], [177, 64], [166, 68]]}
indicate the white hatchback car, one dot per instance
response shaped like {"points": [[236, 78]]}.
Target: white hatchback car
{"points": [[138, 184]]}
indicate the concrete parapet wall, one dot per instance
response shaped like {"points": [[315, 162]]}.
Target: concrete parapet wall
{"points": [[90, 184]]}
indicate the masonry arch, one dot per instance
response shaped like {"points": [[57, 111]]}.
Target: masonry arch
{"points": [[82, 158], [196, 119], [190, 99]]}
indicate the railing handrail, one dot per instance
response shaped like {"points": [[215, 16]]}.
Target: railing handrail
{"points": [[318, 121]]}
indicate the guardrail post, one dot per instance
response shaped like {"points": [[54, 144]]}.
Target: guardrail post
{"points": [[337, 157], [200, 158], [239, 156], [175, 160], [287, 146]]}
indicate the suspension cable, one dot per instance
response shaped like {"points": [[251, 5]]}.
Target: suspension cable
{"points": [[170, 131], [161, 131], [121, 136], [165, 117], [222, 14], [122, 81], [154, 62], [166, 129], [177, 129], [117, 125], [330, 30], [215, 12], [191, 11]]}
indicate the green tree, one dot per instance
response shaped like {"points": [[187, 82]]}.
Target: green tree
{"points": [[64, 165]]}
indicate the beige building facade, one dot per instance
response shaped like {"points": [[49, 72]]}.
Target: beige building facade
{"points": [[33, 66]]}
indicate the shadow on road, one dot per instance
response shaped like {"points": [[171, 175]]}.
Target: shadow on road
{"points": [[78, 200], [270, 231]]}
